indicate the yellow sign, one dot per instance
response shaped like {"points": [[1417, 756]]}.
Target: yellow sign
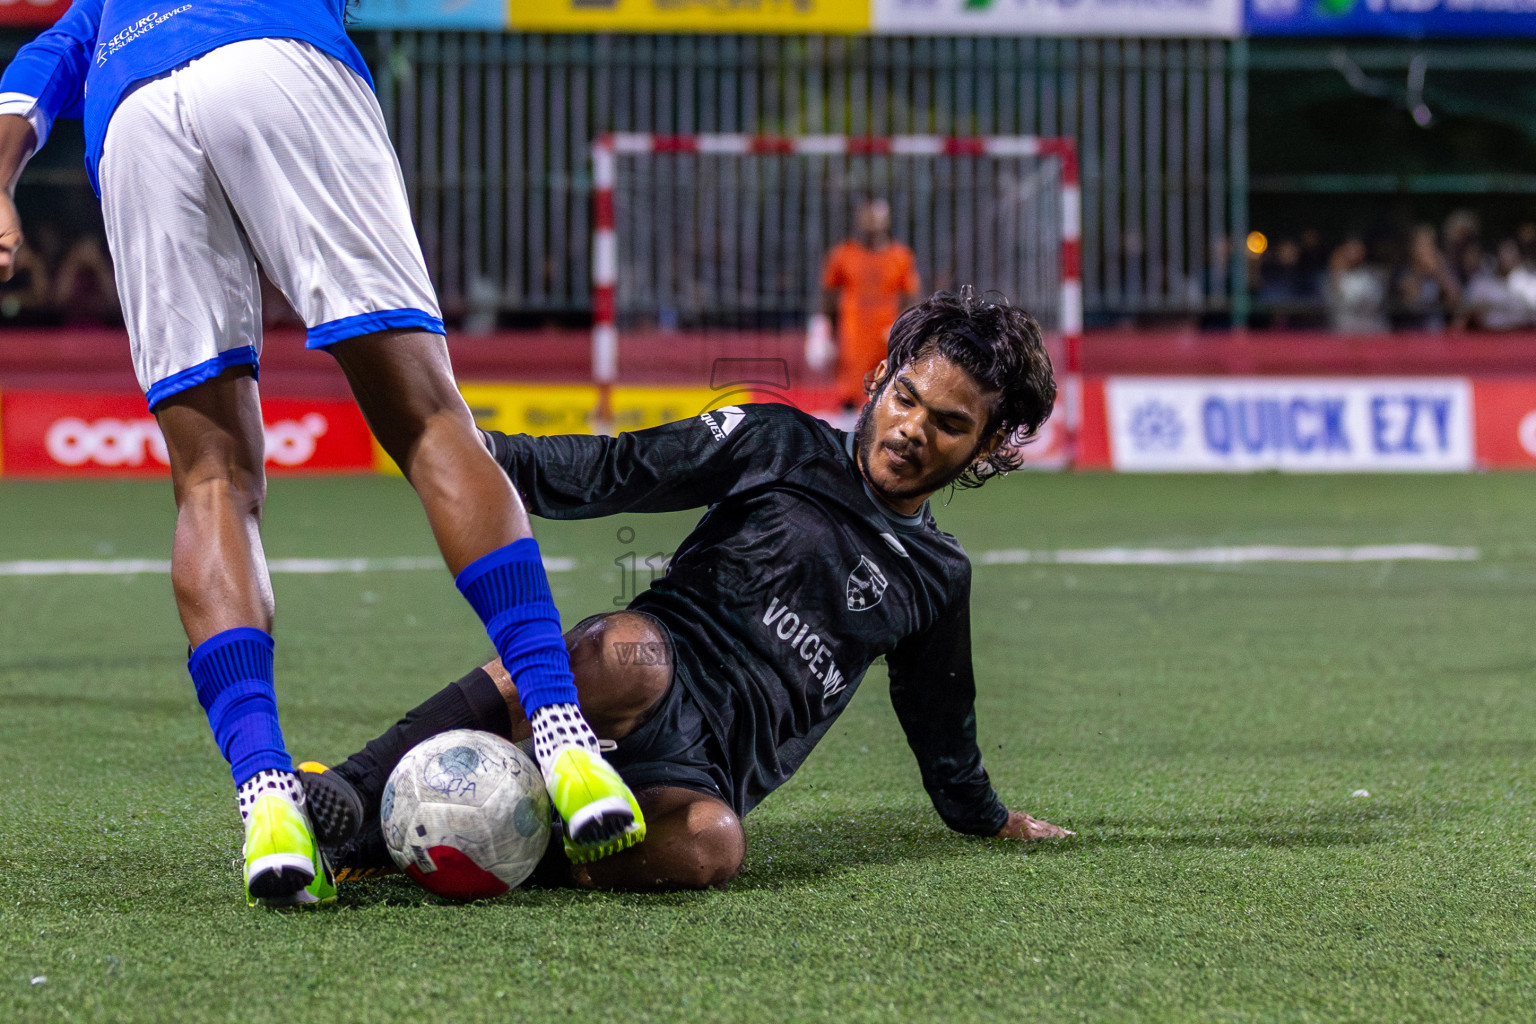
{"points": [[786, 16], [637, 408], [539, 409], [544, 409]]}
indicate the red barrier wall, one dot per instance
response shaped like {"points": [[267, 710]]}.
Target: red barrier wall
{"points": [[96, 359]]}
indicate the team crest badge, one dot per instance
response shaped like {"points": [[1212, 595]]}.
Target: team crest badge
{"points": [[866, 585]]}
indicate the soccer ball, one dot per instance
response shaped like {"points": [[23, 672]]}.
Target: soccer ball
{"points": [[466, 815]]}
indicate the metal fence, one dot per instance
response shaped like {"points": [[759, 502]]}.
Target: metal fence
{"points": [[493, 132]]}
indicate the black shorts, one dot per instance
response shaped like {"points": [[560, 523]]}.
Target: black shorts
{"points": [[674, 746]]}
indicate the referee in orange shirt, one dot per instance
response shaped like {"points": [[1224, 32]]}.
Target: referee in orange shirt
{"points": [[867, 280]]}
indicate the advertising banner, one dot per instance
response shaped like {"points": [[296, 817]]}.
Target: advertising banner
{"points": [[772, 16], [1411, 19], [37, 13], [544, 409], [1237, 424], [489, 15], [1506, 422], [1220, 18], [81, 434]]}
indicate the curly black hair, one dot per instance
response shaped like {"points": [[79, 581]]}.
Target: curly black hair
{"points": [[1000, 346]]}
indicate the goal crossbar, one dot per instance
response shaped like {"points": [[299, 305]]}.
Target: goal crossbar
{"points": [[607, 149]]}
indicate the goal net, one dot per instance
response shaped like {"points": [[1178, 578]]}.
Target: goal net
{"points": [[708, 249]]}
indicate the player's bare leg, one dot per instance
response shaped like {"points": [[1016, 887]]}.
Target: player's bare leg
{"points": [[618, 690], [213, 435], [404, 385], [693, 840]]}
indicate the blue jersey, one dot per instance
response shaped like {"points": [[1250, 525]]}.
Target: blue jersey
{"points": [[87, 61]]}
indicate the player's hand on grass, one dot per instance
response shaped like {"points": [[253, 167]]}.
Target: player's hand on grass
{"points": [[1022, 826]]}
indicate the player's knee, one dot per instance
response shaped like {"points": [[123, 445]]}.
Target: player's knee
{"points": [[403, 383], [622, 663], [718, 844], [216, 490]]}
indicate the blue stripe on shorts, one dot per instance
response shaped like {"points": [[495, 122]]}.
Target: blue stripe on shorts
{"points": [[369, 323], [181, 380]]}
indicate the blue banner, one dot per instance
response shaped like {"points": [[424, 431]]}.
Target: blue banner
{"points": [[1407, 19], [450, 14]]}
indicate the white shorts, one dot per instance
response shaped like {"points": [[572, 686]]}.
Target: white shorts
{"points": [[267, 151]]}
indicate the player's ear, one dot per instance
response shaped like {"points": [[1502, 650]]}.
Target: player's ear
{"points": [[991, 444], [873, 377]]}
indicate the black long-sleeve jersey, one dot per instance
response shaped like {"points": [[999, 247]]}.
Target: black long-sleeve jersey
{"points": [[795, 580]]}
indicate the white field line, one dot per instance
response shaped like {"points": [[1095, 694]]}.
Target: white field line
{"points": [[1233, 555], [1011, 556], [299, 566]]}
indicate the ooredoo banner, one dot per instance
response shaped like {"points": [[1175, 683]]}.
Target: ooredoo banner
{"points": [[1218, 18], [1360, 424], [72, 434]]}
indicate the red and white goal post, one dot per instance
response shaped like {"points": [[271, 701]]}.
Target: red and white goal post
{"points": [[711, 245]]}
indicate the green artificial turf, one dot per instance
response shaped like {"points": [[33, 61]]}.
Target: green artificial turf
{"points": [[1202, 728]]}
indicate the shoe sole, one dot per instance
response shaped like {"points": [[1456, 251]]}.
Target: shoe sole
{"points": [[302, 898], [279, 875], [600, 821], [333, 805], [632, 836]]}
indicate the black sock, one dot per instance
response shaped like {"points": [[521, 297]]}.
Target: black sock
{"points": [[473, 702]]}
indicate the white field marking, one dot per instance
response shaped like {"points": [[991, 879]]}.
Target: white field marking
{"points": [[1233, 555], [299, 566]]}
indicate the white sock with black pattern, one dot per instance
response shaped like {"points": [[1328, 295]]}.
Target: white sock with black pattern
{"points": [[284, 784], [556, 726]]}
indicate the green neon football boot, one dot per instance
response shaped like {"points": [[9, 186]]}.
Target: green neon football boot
{"points": [[600, 813], [283, 864]]}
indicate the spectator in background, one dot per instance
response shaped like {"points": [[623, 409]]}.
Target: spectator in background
{"points": [[1489, 302], [1314, 261], [867, 280], [83, 288], [1522, 280], [1428, 291], [1356, 293], [1287, 289], [1459, 239]]}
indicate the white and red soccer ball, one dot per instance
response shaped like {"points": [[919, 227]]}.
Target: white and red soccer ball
{"points": [[466, 815]]}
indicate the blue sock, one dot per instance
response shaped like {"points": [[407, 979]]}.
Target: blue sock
{"points": [[510, 592], [233, 673]]}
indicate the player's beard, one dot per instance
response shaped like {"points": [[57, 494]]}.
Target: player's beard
{"points": [[864, 442]]}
